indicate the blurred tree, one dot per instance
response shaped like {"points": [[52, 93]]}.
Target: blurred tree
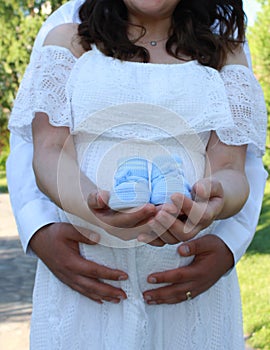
{"points": [[20, 21], [259, 40]]}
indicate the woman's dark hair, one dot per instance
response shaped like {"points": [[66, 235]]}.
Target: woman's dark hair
{"points": [[204, 30]]}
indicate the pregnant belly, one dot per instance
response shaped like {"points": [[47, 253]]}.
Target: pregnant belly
{"points": [[137, 262]]}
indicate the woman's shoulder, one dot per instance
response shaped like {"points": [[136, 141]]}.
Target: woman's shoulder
{"points": [[236, 71], [65, 35], [236, 57]]}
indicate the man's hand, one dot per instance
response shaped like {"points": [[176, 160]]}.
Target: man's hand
{"points": [[57, 245], [212, 260]]}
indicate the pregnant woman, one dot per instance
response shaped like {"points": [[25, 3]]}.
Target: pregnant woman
{"points": [[156, 83]]}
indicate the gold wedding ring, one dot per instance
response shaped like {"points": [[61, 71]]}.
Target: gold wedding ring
{"points": [[188, 295]]}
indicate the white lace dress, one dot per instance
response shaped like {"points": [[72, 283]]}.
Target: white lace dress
{"points": [[116, 109]]}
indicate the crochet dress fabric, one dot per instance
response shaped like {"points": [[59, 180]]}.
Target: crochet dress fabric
{"points": [[116, 109]]}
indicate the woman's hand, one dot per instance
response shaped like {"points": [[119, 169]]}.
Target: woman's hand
{"points": [[165, 224], [185, 218], [124, 224], [208, 203]]}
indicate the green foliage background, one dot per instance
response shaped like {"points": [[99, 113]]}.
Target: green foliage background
{"points": [[259, 42], [20, 21]]}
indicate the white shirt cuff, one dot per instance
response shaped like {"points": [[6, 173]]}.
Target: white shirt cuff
{"points": [[30, 220], [235, 236]]}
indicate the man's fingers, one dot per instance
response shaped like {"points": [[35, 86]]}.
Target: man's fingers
{"points": [[212, 259], [171, 294], [57, 246], [83, 235], [103, 272], [170, 276], [91, 269], [88, 278], [196, 246], [97, 290]]}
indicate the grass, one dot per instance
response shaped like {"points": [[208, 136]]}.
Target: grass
{"points": [[254, 277], [3, 182]]}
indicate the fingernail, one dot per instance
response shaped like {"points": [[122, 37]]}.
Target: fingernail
{"points": [[147, 298], [94, 237], [152, 303], [116, 301], [185, 249], [121, 297], [152, 280], [145, 238], [122, 278]]}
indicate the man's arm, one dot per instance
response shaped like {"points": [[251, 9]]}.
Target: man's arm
{"points": [[56, 244], [31, 208], [237, 232]]}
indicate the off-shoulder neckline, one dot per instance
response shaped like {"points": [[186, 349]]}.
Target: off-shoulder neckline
{"points": [[238, 66], [133, 63], [142, 64], [60, 48]]}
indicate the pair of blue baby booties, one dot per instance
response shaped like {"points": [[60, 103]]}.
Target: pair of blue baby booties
{"points": [[138, 181]]}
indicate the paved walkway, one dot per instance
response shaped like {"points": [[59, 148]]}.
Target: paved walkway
{"points": [[16, 283], [17, 273]]}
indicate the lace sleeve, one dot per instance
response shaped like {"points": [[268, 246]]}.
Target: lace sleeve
{"points": [[43, 89], [247, 107]]}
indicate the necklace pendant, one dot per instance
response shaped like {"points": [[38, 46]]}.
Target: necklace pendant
{"points": [[153, 43]]}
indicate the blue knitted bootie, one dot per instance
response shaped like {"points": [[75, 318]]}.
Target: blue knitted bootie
{"points": [[131, 184], [167, 177]]}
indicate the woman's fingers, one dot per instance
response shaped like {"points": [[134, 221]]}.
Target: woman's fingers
{"points": [[199, 214], [207, 188], [98, 199], [128, 218], [170, 228]]}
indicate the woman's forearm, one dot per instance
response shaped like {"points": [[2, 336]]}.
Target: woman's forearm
{"points": [[62, 181], [225, 164], [235, 188]]}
